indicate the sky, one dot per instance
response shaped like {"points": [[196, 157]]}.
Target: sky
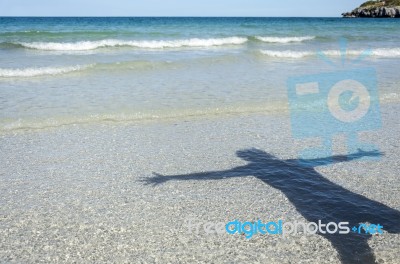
{"points": [[274, 8]]}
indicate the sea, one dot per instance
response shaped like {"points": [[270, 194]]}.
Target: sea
{"points": [[76, 70]]}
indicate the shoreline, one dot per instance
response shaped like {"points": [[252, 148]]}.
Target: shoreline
{"points": [[387, 100]]}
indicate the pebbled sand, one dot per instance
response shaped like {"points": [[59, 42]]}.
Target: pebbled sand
{"points": [[75, 193]]}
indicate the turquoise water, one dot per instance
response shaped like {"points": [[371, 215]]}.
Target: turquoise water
{"points": [[57, 71]]}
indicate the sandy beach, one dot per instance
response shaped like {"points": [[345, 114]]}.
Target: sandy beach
{"points": [[79, 193]]}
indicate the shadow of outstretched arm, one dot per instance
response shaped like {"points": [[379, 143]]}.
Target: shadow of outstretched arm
{"points": [[340, 158], [210, 175]]}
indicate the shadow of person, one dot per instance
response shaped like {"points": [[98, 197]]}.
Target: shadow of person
{"points": [[315, 197]]}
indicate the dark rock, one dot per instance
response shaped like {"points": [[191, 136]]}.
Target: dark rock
{"points": [[379, 12]]}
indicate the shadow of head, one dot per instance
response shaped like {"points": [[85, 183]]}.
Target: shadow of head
{"points": [[254, 155]]}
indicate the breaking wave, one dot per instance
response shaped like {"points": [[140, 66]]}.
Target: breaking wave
{"points": [[148, 44], [284, 39], [31, 72], [291, 54]]}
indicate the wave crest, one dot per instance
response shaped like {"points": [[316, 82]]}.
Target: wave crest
{"points": [[149, 44], [287, 54], [291, 54], [284, 39], [32, 72]]}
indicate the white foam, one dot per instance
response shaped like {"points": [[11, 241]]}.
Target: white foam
{"points": [[383, 52], [394, 52], [284, 39], [391, 97], [291, 54], [31, 72], [149, 44], [287, 54]]}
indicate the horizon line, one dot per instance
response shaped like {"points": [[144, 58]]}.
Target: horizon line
{"points": [[2, 16]]}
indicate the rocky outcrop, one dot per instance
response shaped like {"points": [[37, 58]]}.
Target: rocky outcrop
{"points": [[381, 12]]}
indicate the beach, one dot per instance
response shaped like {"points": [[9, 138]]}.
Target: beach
{"points": [[122, 138], [76, 193]]}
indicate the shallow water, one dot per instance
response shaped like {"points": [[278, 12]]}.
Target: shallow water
{"points": [[56, 71]]}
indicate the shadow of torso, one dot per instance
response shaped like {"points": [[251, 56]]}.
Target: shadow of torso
{"points": [[314, 196]]}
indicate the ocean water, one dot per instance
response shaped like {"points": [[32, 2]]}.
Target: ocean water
{"points": [[60, 71]]}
